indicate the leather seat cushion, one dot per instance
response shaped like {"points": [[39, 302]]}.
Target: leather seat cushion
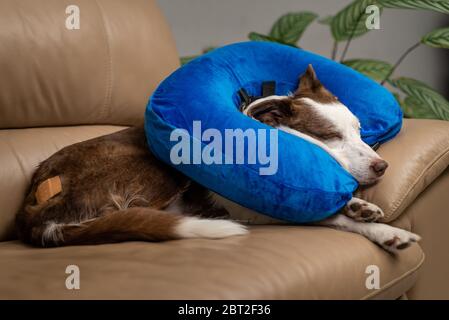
{"points": [[272, 262], [416, 157], [21, 150]]}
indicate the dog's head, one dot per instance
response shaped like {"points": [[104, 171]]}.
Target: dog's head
{"points": [[315, 114]]}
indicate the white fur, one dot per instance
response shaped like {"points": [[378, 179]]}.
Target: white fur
{"points": [[191, 227], [376, 214], [52, 233], [122, 200], [350, 151], [255, 103], [377, 232]]}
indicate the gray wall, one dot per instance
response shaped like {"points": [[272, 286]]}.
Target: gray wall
{"points": [[197, 24]]}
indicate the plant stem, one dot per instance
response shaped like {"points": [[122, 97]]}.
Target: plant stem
{"points": [[334, 50], [396, 65], [343, 55]]}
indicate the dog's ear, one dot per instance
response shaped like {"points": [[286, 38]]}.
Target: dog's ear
{"points": [[272, 112], [308, 81], [310, 87]]}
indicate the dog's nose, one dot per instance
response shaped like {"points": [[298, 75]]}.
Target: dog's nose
{"points": [[379, 167]]}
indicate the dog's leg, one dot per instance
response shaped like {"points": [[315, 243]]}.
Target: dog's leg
{"points": [[135, 223], [390, 238], [363, 211]]}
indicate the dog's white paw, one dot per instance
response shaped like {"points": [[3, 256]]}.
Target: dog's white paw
{"points": [[363, 211], [191, 227], [394, 239], [390, 238]]}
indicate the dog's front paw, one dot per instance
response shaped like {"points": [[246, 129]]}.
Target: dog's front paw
{"points": [[363, 211], [394, 239]]}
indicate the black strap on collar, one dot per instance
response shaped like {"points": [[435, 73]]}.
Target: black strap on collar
{"points": [[245, 97], [268, 89], [375, 146]]}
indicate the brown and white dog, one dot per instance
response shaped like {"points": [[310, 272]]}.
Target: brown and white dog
{"points": [[113, 189]]}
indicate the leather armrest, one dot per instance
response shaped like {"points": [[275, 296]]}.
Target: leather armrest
{"points": [[416, 157]]}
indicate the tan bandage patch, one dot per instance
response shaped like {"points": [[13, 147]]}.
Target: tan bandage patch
{"points": [[48, 189]]}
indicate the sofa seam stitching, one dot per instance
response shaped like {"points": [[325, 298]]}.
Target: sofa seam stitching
{"points": [[109, 75], [399, 202], [396, 280]]}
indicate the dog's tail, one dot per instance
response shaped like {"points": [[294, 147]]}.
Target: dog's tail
{"points": [[135, 223]]}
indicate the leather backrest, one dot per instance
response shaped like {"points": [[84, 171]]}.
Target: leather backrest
{"points": [[101, 73]]}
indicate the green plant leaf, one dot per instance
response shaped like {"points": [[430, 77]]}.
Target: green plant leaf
{"points": [[326, 20], [397, 97], [187, 59], [208, 49], [425, 95], [438, 38], [413, 108], [434, 5], [290, 27], [351, 21], [399, 100], [416, 109], [375, 69], [254, 36]]}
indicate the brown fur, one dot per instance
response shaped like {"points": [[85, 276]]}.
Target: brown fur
{"points": [[104, 177], [135, 223], [311, 87], [296, 113]]}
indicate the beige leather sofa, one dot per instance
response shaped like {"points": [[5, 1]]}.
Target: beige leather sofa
{"points": [[60, 86]]}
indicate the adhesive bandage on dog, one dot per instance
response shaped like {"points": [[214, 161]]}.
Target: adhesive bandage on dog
{"points": [[48, 189]]}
